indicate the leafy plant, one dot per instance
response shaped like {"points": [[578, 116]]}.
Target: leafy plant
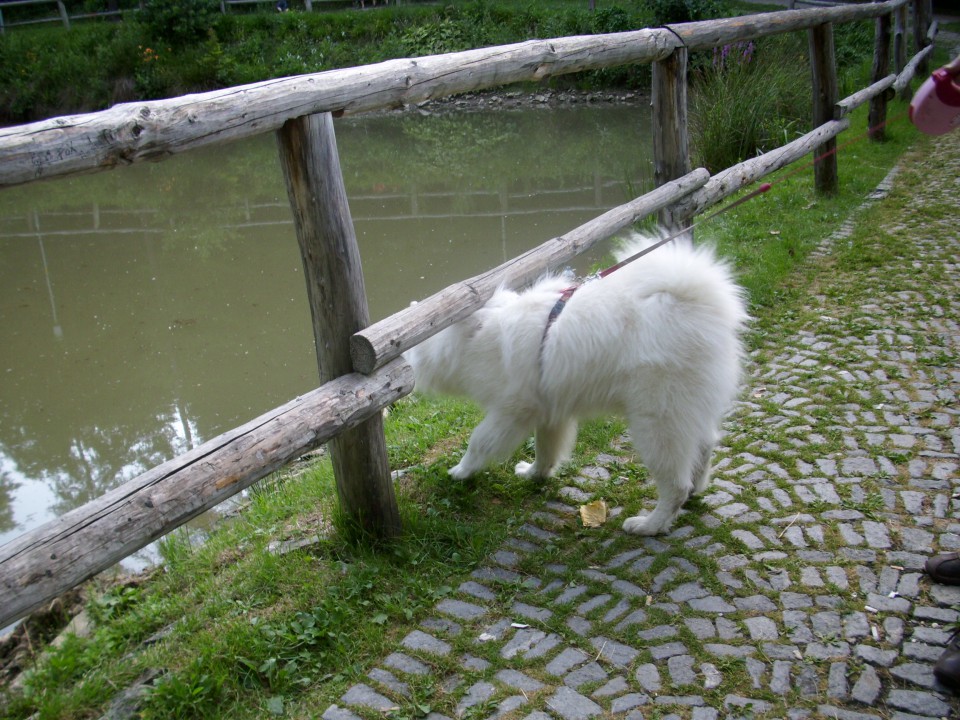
{"points": [[114, 603], [190, 693], [678, 11], [179, 22], [440, 36]]}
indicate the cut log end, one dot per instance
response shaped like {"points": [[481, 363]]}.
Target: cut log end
{"points": [[363, 354]]}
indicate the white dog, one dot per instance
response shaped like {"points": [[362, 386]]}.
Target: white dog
{"points": [[657, 341]]}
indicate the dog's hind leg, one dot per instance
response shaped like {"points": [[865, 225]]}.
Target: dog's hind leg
{"points": [[494, 439], [701, 469], [554, 444], [671, 458]]}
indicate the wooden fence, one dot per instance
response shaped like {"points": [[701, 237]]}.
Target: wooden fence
{"points": [[360, 367]]}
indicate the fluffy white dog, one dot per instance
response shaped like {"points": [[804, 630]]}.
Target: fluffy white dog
{"points": [[657, 341]]}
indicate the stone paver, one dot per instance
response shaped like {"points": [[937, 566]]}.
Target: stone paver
{"points": [[796, 591]]}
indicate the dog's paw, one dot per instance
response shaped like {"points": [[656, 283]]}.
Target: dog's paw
{"points": [[525, 469], [640, 525], [459, 472]]}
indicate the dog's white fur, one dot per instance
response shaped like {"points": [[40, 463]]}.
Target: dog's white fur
{"points": [[657, 341]]}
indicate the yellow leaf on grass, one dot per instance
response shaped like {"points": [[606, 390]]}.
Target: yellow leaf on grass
{"points": [[594, 514]]}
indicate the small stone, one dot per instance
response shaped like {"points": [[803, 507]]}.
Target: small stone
{"points": [[867, 688], [518, 681], [589, 673], [565, 661], [571, 705], [614, 652], [421, 641], [365, 696]]}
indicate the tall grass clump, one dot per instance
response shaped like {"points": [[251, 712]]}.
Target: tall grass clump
{"points": [[665, 12], [748, 98]]}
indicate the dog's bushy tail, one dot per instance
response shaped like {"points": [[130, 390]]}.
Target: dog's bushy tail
{"points": [[692, 274]]}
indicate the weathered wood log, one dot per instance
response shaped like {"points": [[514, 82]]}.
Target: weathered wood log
{"points": [[877, 116], [386, 339], [823, 73], [706, 34], [338, 305], [154, 130], [900, 45], [852, 102], [46, 561], [912, 68], [735, 178], [671, 152], [922, 17]]}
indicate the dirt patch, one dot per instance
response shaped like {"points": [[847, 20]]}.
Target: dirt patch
{"points": [[19, 647]]}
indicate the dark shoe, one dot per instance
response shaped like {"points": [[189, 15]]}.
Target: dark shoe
{"points": [[947, 668], [944, 569]]}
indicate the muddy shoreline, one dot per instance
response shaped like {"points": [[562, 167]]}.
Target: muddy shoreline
{"points": [[524, 99]]}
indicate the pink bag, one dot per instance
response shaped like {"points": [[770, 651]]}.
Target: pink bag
{"points": [[935, 109]]}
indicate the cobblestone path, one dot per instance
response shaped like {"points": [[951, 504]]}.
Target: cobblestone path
{"points": [[799, 591]]}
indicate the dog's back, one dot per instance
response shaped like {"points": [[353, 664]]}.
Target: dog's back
{"points": [[671, 318]]}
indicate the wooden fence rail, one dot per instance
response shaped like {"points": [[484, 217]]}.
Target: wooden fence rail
{"points": [[40, 565], [63, 16], [134, 132], [49, 560]]}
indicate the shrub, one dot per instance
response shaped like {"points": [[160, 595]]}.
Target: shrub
{"points": [[179, 22], [433, 38], [611, 19], [677, 11]]}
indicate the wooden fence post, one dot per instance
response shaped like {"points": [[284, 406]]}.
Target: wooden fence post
{"points": [[877, 117], [64, 16], [335, 287], [823, 69], [900, 47], [671, 153], [922, 11]]}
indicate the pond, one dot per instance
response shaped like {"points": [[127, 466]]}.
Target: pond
{"points": [[147, 309]]}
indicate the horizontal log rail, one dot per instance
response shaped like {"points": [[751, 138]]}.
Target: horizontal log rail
{"points": [[733, 179], [385, 340], [852, 102], [706, 34], [134, 132], [904, 78], [44, 562], [153, 130]]}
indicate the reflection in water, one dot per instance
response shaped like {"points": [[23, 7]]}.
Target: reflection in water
{"points": [[147, 309]]}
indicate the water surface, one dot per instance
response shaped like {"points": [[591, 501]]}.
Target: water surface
{"points": [[147, 309]]}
